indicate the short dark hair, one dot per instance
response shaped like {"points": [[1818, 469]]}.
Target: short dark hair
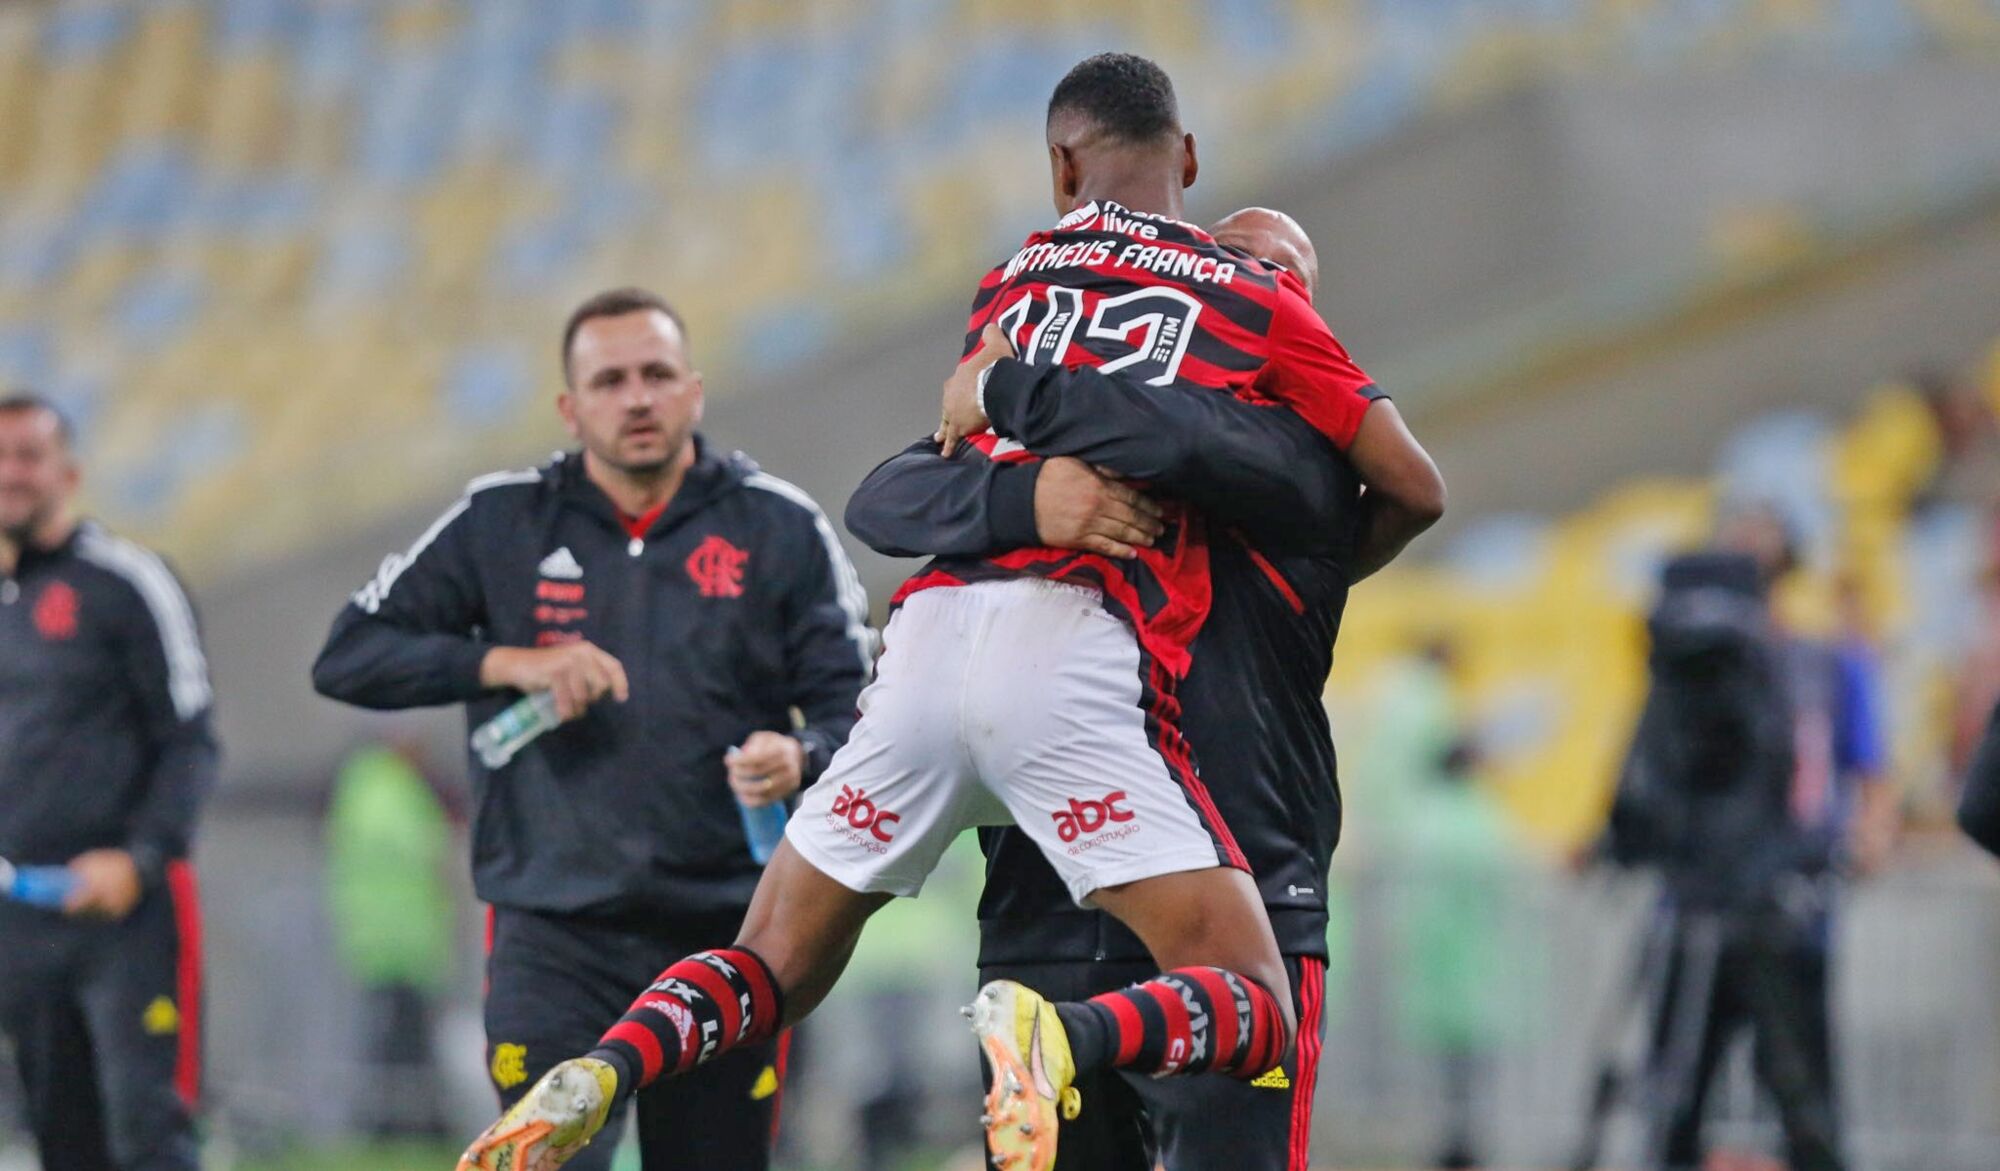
{"points": [[616, 303], [21, 402], [1122, 94]]}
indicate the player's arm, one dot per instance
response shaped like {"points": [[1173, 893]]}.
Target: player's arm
{"points": [[163, 657], [1403, 493], [1310, 371], [828, 644], [407, 638], [922, 504], [1257, 468]]}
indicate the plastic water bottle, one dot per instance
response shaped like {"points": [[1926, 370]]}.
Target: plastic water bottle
{"points": [[763, 825], [40, 886], [498, 739]]}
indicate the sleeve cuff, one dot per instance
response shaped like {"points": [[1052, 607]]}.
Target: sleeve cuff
{"points": [[464, 665], [151, 862], [819, 754], [979, 391], [1004, 390], [1010, 504]]}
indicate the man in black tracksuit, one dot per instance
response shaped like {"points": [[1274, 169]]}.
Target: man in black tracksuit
{"points": [[1251, 709], [679, 603], [105, 755]]}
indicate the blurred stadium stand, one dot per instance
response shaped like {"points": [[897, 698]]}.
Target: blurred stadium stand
{"points": [[1547, 613], [296, 267], [319, 244]]}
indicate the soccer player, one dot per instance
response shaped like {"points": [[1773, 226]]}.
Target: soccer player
{"points": [[1251, 704], [105, 756], [1039, 683], [706, 600]]}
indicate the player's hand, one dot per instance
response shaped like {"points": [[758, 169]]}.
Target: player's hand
{"points": [[107, 885], [962, 416], [767, 768], [1081, 507], [578, 673]]}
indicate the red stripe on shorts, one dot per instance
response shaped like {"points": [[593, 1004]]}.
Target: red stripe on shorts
{"points": [[1312, 997], [778, 1097], [1164, 732], [187, 980]]}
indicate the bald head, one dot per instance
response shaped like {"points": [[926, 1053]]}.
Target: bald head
{"points": [[1272, 236]]}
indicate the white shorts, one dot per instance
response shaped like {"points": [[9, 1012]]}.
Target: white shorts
{"points": [[1019, 702]]}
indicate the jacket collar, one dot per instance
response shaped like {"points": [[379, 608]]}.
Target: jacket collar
{"points": [[713, 475], [35, 555]]}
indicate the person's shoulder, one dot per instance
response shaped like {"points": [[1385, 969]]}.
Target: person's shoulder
{"points": [[111, 558], [779, 496], [137, 576], [516, 481], [510, 490]]}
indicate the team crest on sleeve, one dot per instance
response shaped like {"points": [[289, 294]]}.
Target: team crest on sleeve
{"points": [[716, 568]]}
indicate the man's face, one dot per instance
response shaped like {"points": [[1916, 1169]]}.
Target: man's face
{"points": [[633, 400], [37, 476]]}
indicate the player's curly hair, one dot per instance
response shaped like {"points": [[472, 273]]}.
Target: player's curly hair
{"points": [[1124, 95]]}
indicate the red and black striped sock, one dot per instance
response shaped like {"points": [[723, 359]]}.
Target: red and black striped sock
{"points": [[700, 1008], [1189, 1020]]}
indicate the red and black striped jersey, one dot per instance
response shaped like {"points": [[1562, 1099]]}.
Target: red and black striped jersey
{"points": [[1159, 301]]}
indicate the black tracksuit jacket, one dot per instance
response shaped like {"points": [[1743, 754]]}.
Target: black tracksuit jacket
{"points": [[735, 608], [1251, 705], [105, 738]]}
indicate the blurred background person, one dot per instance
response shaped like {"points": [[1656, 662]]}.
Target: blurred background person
{"points": [[1840, 800], [1967, 470], [106, 753], [1754, 778], [1455, 842], [1704, 801], [388, 842]]}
